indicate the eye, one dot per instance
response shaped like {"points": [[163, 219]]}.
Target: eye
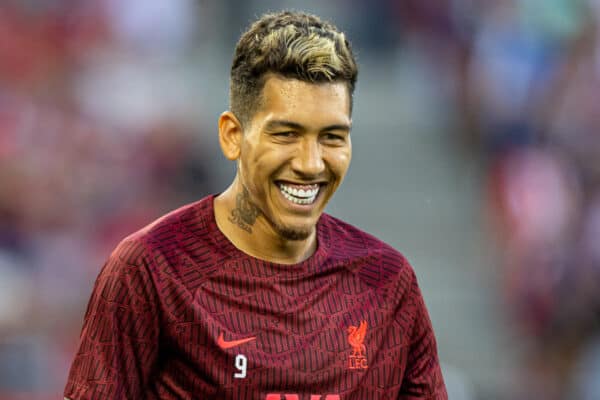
{"points": [[284, 137], [333, 138], [285, 134]]}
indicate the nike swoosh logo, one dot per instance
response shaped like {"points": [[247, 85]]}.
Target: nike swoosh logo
{"points": [[228, 344]]}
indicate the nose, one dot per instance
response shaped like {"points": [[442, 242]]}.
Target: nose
{"points": [[309, 159]]}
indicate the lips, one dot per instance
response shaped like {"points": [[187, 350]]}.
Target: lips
{"points": [[299, 194]]}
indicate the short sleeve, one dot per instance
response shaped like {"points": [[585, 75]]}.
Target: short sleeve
{"points": [[119, 341], [423, 378]]}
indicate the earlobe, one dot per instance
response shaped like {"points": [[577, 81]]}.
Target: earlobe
{"points": [[230, 135]]}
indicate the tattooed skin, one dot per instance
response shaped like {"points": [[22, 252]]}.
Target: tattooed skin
{"points": [[244, 214]]}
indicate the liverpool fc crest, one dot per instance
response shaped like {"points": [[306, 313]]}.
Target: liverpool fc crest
{"points": [[356, 337]]}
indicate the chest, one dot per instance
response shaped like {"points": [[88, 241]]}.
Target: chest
{"points": [[250, 335]]}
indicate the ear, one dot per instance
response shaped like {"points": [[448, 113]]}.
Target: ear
{"points": [[230, 135]]}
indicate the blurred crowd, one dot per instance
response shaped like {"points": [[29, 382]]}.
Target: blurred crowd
{"points": [[96, 140], [531, 82], [100, 133]]}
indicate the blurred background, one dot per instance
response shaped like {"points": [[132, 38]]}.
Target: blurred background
{"points": [[476, 153]]}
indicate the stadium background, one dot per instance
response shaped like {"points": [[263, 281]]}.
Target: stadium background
{"points": [[475, 153]]}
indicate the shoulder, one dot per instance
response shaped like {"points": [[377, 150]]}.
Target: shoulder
{"points": [[376, 261], [159, 246], [346, 238], [179, 225]]}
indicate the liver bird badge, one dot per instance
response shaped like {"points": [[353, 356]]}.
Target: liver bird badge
{"points": [[356, 338]]}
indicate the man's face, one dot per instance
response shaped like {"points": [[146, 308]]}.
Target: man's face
{"points": [[295, 152]]}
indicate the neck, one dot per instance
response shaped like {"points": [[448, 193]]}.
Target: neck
{"points": [[248, 229]]}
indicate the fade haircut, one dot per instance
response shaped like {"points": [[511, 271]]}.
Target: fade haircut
{"points": [[293, 45]]}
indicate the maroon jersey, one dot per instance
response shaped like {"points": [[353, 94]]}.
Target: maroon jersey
{"points": [[178, 312]]}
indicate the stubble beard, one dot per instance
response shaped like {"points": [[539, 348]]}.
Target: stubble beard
{"points": [[291, 233], [246, 212]]}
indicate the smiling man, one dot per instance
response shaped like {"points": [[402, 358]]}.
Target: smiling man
{"points": [[256, 293], [292, 155]]}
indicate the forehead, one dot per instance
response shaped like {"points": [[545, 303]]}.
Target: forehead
{"points": [[299, 100]]}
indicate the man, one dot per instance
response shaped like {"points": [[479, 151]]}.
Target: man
{"points": [[256, 293]]}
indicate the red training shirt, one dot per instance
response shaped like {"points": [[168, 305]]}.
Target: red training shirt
{"points": [[178, 312]]}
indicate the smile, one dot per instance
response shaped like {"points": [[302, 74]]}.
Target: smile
{"points": [[300, 194]]}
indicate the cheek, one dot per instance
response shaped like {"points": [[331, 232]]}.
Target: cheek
{"points": [[269, 159], [252, 158], [339, 162], [260, 165]]}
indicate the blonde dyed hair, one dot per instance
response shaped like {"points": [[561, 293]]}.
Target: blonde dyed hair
{"points": [[293, 45]]}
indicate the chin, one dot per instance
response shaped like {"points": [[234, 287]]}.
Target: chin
{"points": [[294, 233]]}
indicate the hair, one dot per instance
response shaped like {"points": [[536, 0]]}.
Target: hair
{"points": [[293, 45]]}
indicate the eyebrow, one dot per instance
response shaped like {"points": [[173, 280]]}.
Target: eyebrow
{"points": [[278, 124]]}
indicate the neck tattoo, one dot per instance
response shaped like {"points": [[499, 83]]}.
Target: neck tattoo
{"points": [[245, 212]]}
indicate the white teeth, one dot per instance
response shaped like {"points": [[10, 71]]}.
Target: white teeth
{"points": [[300, 196]]}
